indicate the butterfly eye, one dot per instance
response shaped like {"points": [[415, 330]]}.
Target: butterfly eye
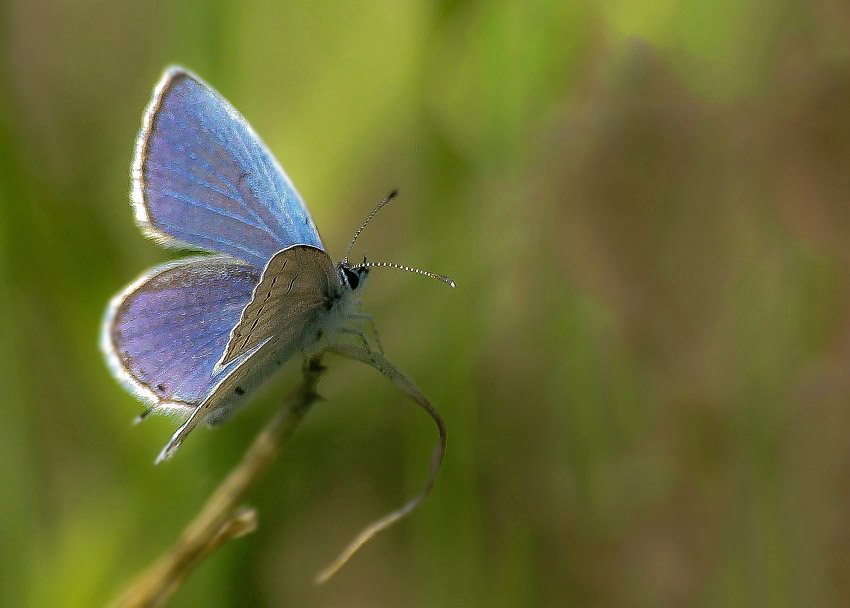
{"points": [[351, 277]]}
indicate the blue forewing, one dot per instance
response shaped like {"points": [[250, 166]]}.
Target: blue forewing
{"points": [[202, 179]]}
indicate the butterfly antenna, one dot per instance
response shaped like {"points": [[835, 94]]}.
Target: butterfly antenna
{"points": [[368, 219], [440, 277]]}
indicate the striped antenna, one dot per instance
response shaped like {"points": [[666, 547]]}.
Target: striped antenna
{"points": [[368, 219], [440, 277]]}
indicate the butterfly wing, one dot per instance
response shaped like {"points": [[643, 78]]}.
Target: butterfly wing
{"points": [[296, 284], [163, 335], [202, 179], [287, 312]]}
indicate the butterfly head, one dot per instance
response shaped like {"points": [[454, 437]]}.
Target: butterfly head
{"points": [[353, 277]]}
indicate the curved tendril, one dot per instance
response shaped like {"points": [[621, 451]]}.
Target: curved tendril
{"points": [[406, 385]]}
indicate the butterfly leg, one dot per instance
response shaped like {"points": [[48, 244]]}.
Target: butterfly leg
{"points": [[371, 321], [356, 332]]}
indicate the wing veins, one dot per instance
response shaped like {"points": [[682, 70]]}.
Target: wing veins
{"points": [[238, 133], [221, 212], [198, 311], [159, 348], [241, 161], [178, 171], [201, 160], [260, 311], [248, 250]]}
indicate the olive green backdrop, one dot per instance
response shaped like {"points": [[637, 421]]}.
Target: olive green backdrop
{"points": [[643, 369]]}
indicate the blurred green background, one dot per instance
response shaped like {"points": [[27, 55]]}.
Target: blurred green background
{"points": [[644, 368]]}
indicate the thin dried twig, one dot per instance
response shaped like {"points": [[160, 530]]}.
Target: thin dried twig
{"points": [[222, 517]]}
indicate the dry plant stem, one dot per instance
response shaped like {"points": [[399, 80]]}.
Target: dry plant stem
{"points": [[221, 519], [406, 386]]}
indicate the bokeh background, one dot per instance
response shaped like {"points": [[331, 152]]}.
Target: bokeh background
{"points": [[644, 368]]}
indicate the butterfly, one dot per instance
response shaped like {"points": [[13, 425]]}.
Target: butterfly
{"points": [[196, 337]]}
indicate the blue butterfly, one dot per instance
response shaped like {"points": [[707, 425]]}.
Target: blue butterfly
{"points": [[194, 338]]}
